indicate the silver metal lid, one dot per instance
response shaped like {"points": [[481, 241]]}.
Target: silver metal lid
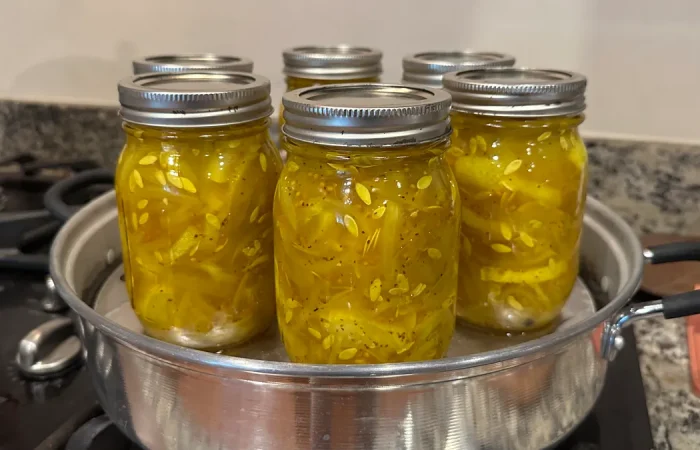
{"points": [[339, 62], [184, 63], [194, 99], [366, 115], [427, 68], [517, 92]]}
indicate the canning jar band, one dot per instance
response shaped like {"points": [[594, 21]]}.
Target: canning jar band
{"points": [[517, 92], [428, 68], [213, 118], [367, 114], [388, 139], [561, 109], [194, 98], [191, 62], [339, 62], [333, 73]]}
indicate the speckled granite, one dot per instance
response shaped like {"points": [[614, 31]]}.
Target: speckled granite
{"points": [[655, 187], [674, 411], [54, 132]]}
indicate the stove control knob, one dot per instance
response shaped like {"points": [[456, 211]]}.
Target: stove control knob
{"points": [[52, 302], [49, 350]]}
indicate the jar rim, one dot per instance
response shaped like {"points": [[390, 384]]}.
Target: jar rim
{"points": [[517, 92], [366, 114], [194, 98], [183, 62], [332, 62], [427, 68]]}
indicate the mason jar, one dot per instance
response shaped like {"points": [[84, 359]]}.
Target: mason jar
{"points": [[321, 65], [195, 184], [191, 62], [366, 225], [427, 68], [521, 167]]}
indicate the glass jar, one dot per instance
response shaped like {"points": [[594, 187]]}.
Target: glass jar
{"points": [[195, 62], [521, 168], [195, 183], [427, 68], [318, 65], [366, 225]]}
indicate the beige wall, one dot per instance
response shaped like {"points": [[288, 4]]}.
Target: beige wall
{"points": [[642, 57]]}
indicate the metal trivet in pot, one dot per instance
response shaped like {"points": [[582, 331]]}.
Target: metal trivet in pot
{"points": [[112, 301]]}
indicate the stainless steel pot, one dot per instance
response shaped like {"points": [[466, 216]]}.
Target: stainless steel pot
{"points": [[525, 396]]}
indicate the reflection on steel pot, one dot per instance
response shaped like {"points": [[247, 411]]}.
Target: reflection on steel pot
{"points": [[524, 396]]}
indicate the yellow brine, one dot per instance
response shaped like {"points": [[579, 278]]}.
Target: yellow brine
{"points": [[195, 208], [366, 233], [522, 178]]}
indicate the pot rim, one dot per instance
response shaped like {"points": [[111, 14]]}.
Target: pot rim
{"points": [[597, 216]]}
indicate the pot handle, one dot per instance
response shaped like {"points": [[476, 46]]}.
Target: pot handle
{"points": [[687, 303], [674, 252], [671, 307]]}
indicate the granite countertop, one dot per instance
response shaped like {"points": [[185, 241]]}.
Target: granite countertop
{"points": [[654, 186], [674, 411]]}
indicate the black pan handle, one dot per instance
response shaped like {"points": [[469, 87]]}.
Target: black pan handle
{"points": [[681, 305], [674, 252], [671, 307], [55, 197], [687, 303]]}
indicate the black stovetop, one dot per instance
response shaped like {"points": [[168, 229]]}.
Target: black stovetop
{"points": [[32, 410]]}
